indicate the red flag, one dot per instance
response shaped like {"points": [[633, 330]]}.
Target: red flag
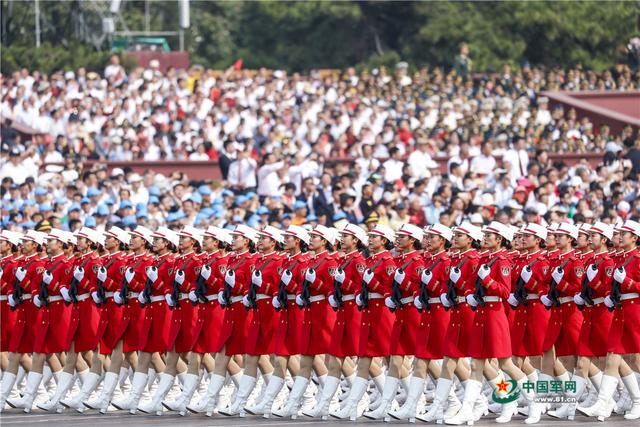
{"points": [[238, 65]]}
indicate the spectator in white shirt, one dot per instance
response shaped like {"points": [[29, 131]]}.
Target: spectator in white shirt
{"points": [[485, 163], [269, 180], [420, 160], [242, 172], [393, 166], [516, 160], [367, 162]]}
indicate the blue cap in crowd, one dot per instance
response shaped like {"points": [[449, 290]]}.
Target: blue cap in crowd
{"points": [[85, 201], [45, 207], [40, 191], [125, 204], [263, 210], [204, 190], [89, 221], [93, 192], [154, 200], [299, 204], [74, 207], [103, 210], [154, 191]]}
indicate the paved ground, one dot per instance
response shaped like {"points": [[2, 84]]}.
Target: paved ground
{"points": [[13, 417]]}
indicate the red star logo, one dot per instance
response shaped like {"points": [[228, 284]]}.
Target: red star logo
{"points": [[502, 386]]}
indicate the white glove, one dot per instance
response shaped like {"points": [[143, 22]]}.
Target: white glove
{"points": [[299, 300], [608, 301], [256, 278], [169, 299], [78, 273], [399, 276], [483, 271], [12, 301], [444, 299], [47, 277], [592, 272], [332, 301], [129, 274], [577, 298], [417, 303], [471, 300], [65, 294], [367, 276], [546, 301], [117, 297], [513, 300], [557, 274], [619, 274], [310, 275], [180, 277], [152, 274], [95, 297], [286, 277], [426, 277], [359, 302], [193, 297], [205, 272], [276, 303], [526, 273], [220, 298], [455, 274], [230, 279], [339, 276], [245, 301], [36, 301], [20, 273], [389, 303], [141, 298], [1, 272], [102, 274]]}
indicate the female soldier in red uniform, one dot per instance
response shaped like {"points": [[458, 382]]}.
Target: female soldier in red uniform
{"points": [[345, 338], [287, 333], [377, 320], [624, 337], [9, 244]]}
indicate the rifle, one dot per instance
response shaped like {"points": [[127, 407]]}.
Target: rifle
{"points": [[201, 285], [226, 292], [554, 295], [424, 292], [44, 292], [587, 291], [480, 292], [396, 291], [337, 289], [253, 289], [616, 291], [364, 295], [175, 291], [451, 287]]}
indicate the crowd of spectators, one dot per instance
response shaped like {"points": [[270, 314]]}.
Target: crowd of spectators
{"points": [[277, 138]]}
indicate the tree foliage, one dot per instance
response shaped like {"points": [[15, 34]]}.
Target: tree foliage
{"points": [[321, 34]]}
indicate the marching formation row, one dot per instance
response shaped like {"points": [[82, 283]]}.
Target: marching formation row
{"points": [[489, 316]]}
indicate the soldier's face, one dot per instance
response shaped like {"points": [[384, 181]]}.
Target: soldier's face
{"points": [[136, 243], [461, 241], [110, 243], [209, 244], [490, 240], [54, 247], [595, 241], [403, 242], [375, 242], [239, 243], [186, 243], [83, 244], [5, 246], [316, 243], [563, 241], [628, 240], [583, 240], [266, 244], [551, 240]]}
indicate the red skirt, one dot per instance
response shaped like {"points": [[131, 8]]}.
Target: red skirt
{"points": [[624, 336], [375, 330], [23, 335], [346, 331], [53, 324], [594, 333], [404, 330], [137, 328], [261, 329], [563, 332], [8, 320], [157, 319], [432, 332], [490, 333], [529, 329], [232, 334], [115, 326], [317, 323], [287, 333], [459, 332], [185, 326], [212, 316], [86, 337]]}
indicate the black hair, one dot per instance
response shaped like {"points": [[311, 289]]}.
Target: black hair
{"points": [[172, 247], [93, 246], [148, 246], [475, 244], [123, 247], [361, 247], [304, 247], [574, 242], [279, 246], [543, 244], [65, 246], [197, 246], [505, 243], [389, 245], [447, 244], [252, 247], [329, 247], [417, 245]]}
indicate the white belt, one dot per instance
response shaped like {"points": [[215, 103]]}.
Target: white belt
{"points": [[375, 295], [157, 298], [213, 297], [4, 297], [406, 300], [182, 296], [55, 298], [108, 294], [629, 296], [83, 297], [492, 299], [133, 295], [262, 296], [236, 299], [434, 301], [316, 298], [564, 300], [26, 296], [291, 297], [461, 300], [533, 296], [349, 297], [597, 301]]}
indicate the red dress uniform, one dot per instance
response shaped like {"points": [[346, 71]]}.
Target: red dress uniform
{"points": [[157, 317], [624, 337], [7, 316], [211, 313], [407, 318], [434, 319], [586, 257], [262, 324], [318, 318], [516, 260], [490, 331], [565, 321], [85, 311], [530, 324], [22, 337], [596, 319], [290, 319], [232, 335], [346, 331], [112, 314], [185, 322], [53, 322], [137, 331], [377, 320], [459, 331]]}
